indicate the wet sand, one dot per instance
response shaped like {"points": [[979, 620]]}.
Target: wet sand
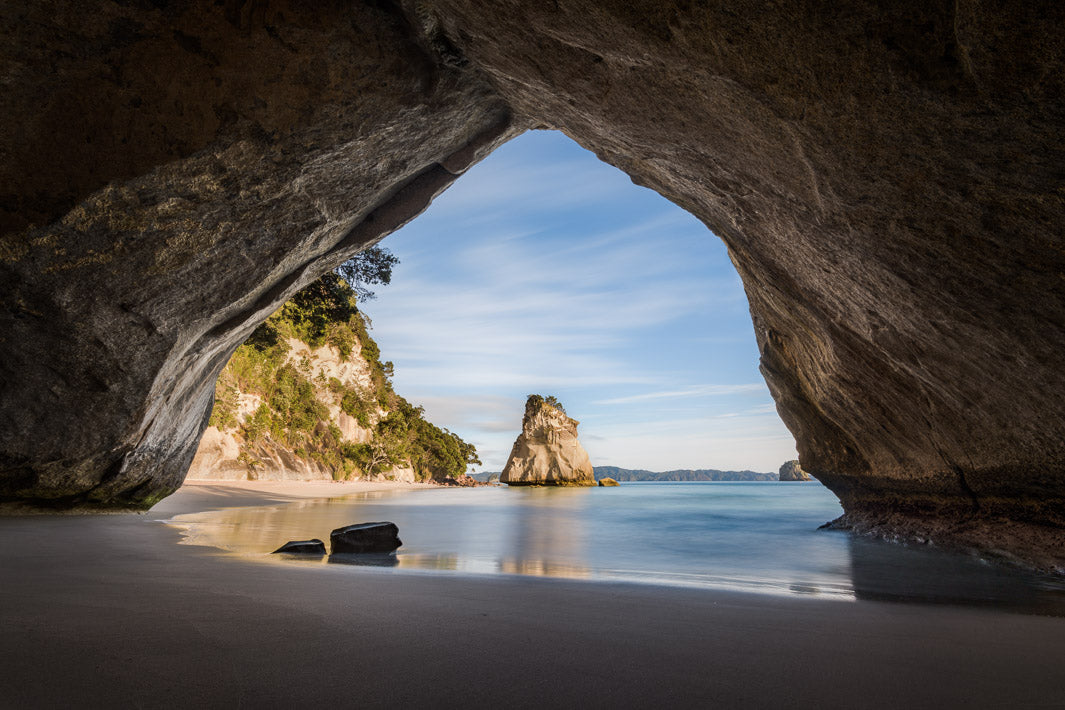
{"points": [[109, 611]]}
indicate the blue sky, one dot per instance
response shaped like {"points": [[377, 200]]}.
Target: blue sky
{"points": [[544, 270]]}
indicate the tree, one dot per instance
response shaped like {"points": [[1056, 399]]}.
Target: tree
{"points": [[372, 266]]}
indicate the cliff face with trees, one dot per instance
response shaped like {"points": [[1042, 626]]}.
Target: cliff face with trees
{"points": [[307, 397]]}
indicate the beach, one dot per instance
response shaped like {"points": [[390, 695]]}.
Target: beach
{"points": [[109, 610]]}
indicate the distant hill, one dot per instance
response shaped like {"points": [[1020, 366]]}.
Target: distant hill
{"points": [[706, 474], [629, 474]]}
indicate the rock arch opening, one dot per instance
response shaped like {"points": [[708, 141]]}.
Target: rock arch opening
{"points": [[543, 269]]}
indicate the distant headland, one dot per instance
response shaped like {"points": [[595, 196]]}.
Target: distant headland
{"points": [[631, 474]]}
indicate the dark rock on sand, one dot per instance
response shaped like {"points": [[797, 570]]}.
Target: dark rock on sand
{"points": [[608, 482], [365, 537], [791, 471], [302, 547]]}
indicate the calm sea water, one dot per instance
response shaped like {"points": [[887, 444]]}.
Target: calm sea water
{"points": [[755, 536]]}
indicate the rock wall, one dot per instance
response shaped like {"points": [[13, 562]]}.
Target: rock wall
{"points": [[887, 178], [547, 452], [176, 173], [226, 454]]}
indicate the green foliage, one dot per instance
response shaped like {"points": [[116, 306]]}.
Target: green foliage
{"points": [[433, 452], [292, 414], [357, 405], [293, 400], [315, 313], [535, 401], [370, 266], [224, 414], [341, 337], [258, 424]]}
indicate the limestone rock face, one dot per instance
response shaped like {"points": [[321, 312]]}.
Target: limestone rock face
{"points": [[224, 455], [886, 177], [547, 452], [791, 471]]}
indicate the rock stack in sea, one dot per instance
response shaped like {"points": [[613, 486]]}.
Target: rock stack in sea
{"points": [[547, 452], [791, 471]]}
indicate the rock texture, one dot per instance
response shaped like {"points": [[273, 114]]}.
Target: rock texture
{"points": [[365, 538], [887, 178], [175, 173], [225, 454], [792, 471], [547, 452], [302, 547], [608, 482]]}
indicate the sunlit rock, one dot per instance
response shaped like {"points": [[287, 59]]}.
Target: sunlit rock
{"points": [[791, 471], [547, 452]]}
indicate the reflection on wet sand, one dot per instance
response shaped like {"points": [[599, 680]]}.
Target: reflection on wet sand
{"points": [[548, 527], [543, 527], [882, 571], [542, 568], [387, 559], [741, 537], [263, 529]]}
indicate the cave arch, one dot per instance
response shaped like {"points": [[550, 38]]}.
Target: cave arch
{"points": [[888, 182]]}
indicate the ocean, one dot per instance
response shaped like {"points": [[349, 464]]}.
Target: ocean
{"points": [[749, 536]]}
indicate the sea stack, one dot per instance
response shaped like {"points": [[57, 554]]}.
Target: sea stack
{"points": [[547, 452], [791, 471]]}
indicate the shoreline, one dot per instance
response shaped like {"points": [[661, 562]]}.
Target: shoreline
{"points": [[111, 611], [202, 495]]}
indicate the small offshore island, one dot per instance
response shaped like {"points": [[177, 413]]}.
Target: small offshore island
{"points": [[547, 452]]}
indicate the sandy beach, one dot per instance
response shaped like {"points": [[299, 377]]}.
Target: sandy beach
{"points": [[109, 611]]}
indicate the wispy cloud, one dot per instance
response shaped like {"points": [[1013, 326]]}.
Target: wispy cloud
{"points": [[543, 270], [696, 391]]}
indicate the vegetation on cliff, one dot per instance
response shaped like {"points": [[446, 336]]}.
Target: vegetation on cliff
{"points": [[294, 401]]}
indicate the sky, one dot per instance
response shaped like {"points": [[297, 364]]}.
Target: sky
{"points": [[543, 270]]}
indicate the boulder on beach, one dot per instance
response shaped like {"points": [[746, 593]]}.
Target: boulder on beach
{"points": [[791, 471], [608, 482], [302, 547], [365, 537], [547, 452]]}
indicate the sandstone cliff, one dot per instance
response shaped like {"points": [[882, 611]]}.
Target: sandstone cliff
{"points": [[547, 452], [289, 409], [791, 471], [233, 450]]}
